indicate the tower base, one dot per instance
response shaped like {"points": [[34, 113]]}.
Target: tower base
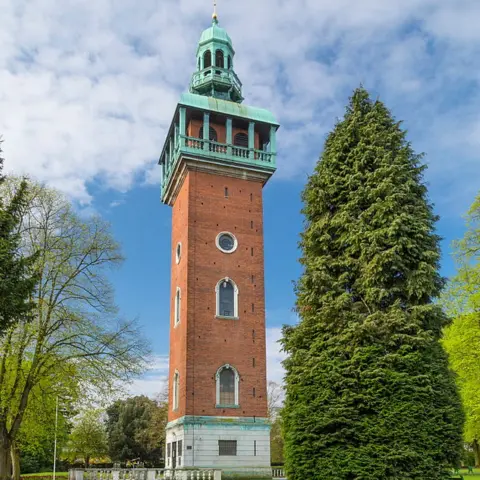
{"points": [[198, 442]]}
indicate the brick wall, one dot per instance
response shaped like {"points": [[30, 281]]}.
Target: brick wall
{"points": [[203, 343]]}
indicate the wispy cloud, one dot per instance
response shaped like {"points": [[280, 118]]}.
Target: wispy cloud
{"points": [[89, 88], [154, 381]]}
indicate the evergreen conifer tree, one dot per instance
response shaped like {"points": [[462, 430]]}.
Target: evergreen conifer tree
{"points": [[17, 276], [369, 393]]}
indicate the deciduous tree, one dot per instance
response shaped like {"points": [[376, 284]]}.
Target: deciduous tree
{"points": [[75, 328], [136, 429], [275, 398], [369, 393], [462, 337], [88, 438]]}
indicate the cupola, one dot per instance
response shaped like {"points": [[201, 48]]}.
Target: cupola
{"points": [[215, 76]]}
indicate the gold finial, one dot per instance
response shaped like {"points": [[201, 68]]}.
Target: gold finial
{"points": [[215, 16]]}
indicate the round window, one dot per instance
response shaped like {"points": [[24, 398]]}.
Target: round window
{"points": [[226, 242]]}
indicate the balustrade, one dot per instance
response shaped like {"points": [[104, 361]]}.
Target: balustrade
{"points": [[218, 150], [144, 474]]}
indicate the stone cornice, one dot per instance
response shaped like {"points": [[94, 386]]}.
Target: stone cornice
{"points": [[248, 422], [187, 164]]}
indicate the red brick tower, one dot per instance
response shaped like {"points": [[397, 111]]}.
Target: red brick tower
{"points": [[217, 156]]}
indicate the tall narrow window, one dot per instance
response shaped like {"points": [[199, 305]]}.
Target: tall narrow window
{"points": [[226, 192], [229, 62], [227, 298], [254, 448], [207, 59], [178, 304], [227, 387], [179, 448], [176, 389], [178, 252], [227, 380], [219, 62]]}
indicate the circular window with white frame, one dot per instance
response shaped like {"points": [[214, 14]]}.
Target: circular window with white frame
{"points": [[178, 252], [226, 242]]}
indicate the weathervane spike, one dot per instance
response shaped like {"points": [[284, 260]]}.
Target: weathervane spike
{"points": [[215, 16]]}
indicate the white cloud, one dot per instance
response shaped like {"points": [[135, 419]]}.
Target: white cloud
{"points": [[275, 356], [154, 381], [88, 88]]}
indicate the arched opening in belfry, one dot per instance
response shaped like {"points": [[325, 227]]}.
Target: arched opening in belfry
{"points": [[207, 59], [212, 134], [219, 59], [241, 140]]}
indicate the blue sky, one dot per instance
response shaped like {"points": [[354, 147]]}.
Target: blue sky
{"points": [[88, 89]]}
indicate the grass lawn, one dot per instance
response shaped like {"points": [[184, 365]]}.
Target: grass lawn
{"points": [[47, 474], [475, 476]]}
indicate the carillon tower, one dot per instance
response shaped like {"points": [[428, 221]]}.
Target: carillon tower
{"points": [[217, 157]]}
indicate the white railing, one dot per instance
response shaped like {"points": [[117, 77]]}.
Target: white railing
{"points": [[278, 472], [144, 474], [236, 151]]}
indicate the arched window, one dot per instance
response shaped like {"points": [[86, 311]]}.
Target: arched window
{"points": [[227, 382], [176, 390], [207, 59], [229, 62], [212, 134], [227, 298], [178, 302], [219, 59], [241, 140]]}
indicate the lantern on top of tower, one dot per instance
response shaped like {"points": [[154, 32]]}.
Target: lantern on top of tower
{"points": [[215, 76]]}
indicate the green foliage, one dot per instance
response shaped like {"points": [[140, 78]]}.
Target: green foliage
{"points": [[274, 396], [462, 337], [17, 276], [88, 438], [75, 332], [136, 429], [369, 394], [35, 439]]}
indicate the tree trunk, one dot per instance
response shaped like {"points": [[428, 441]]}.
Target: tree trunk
{"points": [[15, 452], [476, 451], [87, 462], [5, 456]]}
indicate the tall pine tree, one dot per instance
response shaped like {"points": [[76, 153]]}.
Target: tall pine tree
{"points": [[369, 393], [17, 276]]}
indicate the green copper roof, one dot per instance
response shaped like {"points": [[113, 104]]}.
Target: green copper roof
{"points": [[215, 34], [227, 108]]}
